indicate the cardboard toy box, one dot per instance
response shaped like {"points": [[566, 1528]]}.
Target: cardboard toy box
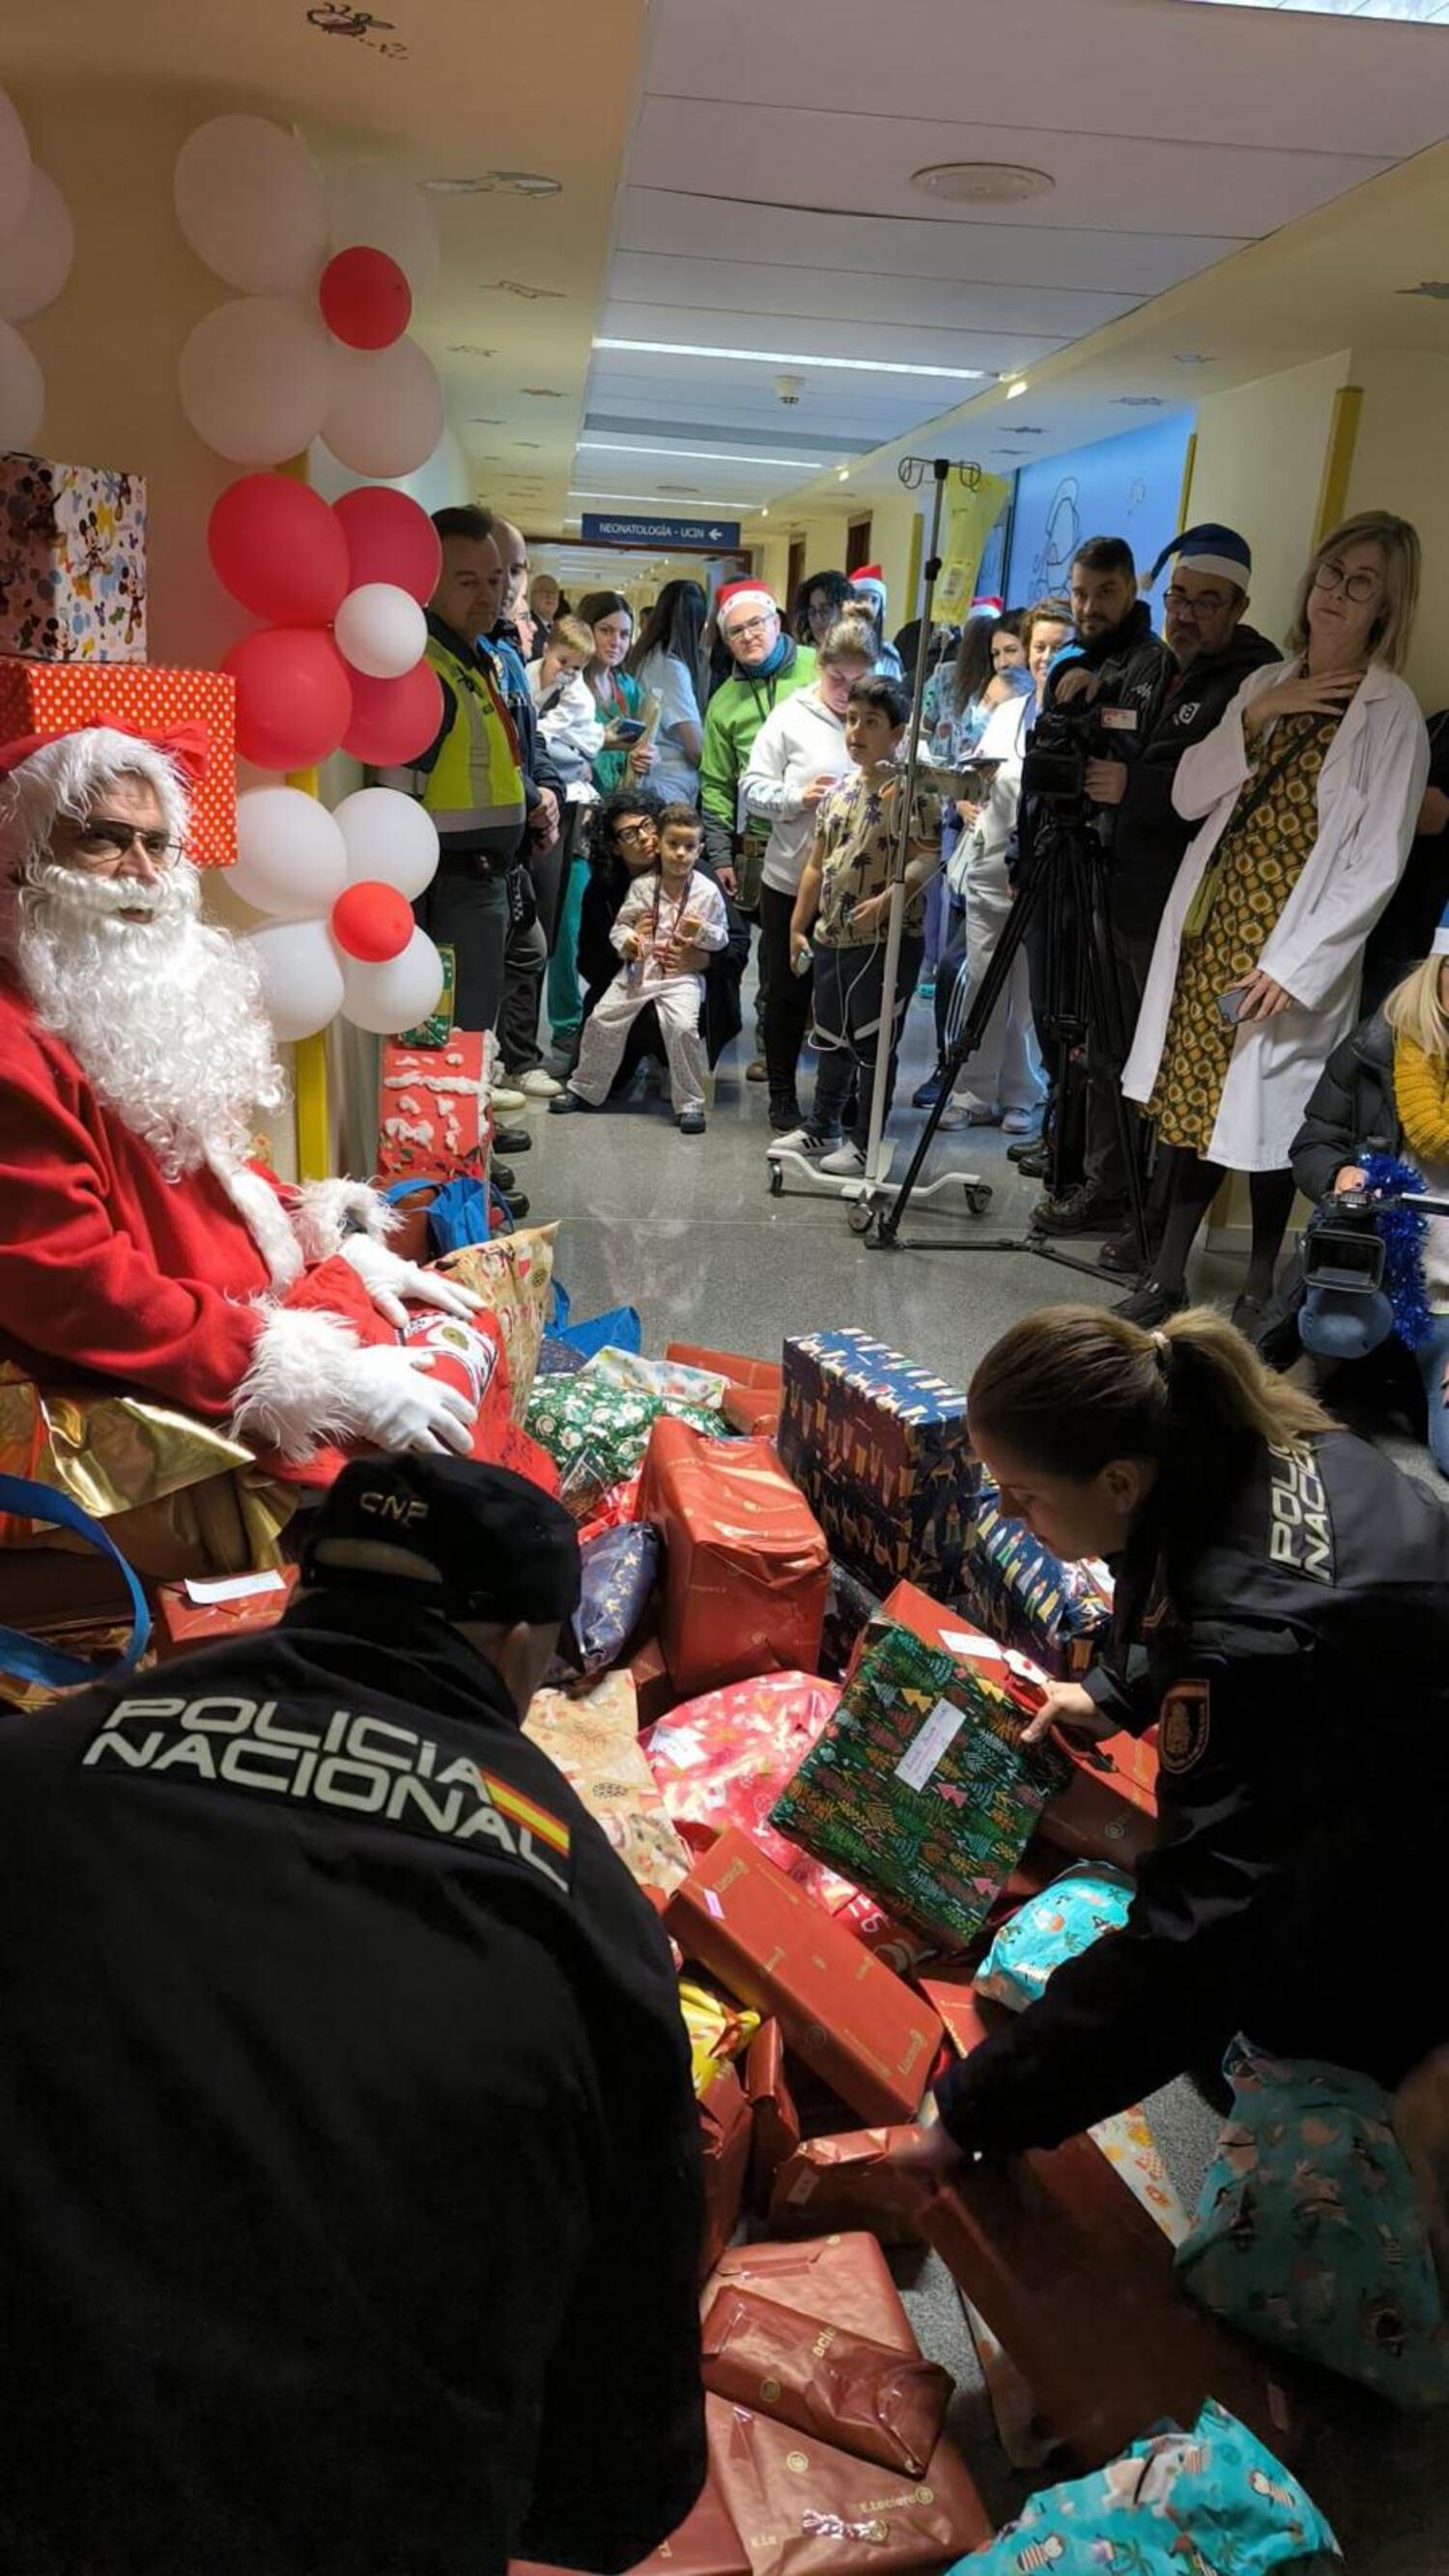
{"points": [[49, 697], [845, 2014], [72, 561], [880, 1447], [746, 1567]]}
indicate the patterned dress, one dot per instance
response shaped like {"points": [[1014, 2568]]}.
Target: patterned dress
{"points": [[1259, 862]]}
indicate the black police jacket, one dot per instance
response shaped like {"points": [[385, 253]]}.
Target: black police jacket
{"points": [[352, 2198], [1352, 1111], [1179, 709], [1294, 1654]]}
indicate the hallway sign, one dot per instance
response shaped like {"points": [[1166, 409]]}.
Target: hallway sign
{"points": [[723, 533]]}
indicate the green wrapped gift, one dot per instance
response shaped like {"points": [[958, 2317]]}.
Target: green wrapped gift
{"points": [[596, 1432], [920, 1789]]}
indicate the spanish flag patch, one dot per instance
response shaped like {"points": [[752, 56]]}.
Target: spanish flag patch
{"points": [[521, 1810]]}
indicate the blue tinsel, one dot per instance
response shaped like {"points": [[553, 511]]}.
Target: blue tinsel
{"points": [[1402, 1230]]}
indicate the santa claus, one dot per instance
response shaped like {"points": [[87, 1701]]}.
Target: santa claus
{"points": [[139, 1237]]}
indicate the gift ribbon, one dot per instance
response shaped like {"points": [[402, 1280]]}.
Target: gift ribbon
{"points": [[26, 1657]]}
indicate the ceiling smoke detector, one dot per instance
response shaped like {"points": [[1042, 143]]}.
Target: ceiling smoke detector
{"points": [[1140, 402], [497, 183], [982, 183]]}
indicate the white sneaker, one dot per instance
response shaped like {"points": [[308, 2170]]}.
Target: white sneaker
{"points": [[847, 1163], [799, 1140], [977, 1113], [506, 1099], [539, 1085], [1021, 1122]]}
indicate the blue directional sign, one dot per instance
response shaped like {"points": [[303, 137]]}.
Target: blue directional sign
{"points": [[724, 533]]}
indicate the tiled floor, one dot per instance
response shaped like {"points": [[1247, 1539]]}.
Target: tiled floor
{"points": [[686, 1230]]}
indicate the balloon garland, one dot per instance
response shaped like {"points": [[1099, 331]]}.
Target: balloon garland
{"points": [[338, 891], [37, 248]]}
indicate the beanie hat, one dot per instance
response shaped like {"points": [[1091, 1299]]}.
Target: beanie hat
{"points": [[1210, 548], [737, 593]]}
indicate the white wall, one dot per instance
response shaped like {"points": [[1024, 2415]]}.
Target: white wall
{"points": [[1398, 464], [1259, 466]]}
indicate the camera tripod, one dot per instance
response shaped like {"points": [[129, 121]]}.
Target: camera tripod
{"points": [[1064, 883]]}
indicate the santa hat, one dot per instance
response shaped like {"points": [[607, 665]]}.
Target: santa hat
{"points": [[46, 774], [1439, 944], [870, 577], [1209, 549], [736, 594]]}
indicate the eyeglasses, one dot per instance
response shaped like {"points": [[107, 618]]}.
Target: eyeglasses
{"points": [[751, 626], [104, 841], [1354, 585], [1207, 604], [634, 832]]}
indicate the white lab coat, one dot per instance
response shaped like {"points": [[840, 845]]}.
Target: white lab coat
{"points": [[1369, 793]]}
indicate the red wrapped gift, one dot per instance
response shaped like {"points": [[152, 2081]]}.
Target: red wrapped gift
{"points": [[747, 1569], [1077, 2282], [725, 2120], [751, 1411], [804, 2508], [654, 1687], [55, 697], [879, 2404], [777, 2121], [202, 1612], [840, 2009], [848, 2181], [843, 2280], [432, 1114]]}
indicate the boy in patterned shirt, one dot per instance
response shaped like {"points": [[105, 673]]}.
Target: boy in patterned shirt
{"points": [[845, 897]]}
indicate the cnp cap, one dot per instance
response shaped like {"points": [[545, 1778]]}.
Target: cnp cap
{"points": [[470, 1540]]}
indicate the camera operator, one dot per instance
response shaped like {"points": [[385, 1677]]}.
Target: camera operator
{"points": [[1117, 668], [1192, 677]]}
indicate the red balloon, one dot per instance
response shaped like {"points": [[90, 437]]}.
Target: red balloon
{"points": [[277, 547], [390, 538], [372, 921], [365, 299], [393, 721], [293, 696]]}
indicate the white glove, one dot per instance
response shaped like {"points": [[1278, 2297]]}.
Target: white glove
{"points": [[388, 1279], [399, 1404]]}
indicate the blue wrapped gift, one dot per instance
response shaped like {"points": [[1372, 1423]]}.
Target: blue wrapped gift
{"points": [[1023, 1596], [879, 1448]]}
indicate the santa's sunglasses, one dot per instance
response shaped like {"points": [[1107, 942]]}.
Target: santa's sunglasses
{"points": [[106, 841]]}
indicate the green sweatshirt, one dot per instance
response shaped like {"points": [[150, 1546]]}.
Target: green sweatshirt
{"points": [[736, 712]]}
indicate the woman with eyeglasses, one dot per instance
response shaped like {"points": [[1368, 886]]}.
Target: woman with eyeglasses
{"points": [[1308, 794], [622, 843]]}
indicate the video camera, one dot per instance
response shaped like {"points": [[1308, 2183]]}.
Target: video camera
{"points": [[1346, 1311], [1063, 740]]}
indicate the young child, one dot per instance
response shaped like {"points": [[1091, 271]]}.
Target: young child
{"points": [[568, 719], [669, 922], [845, 895]]}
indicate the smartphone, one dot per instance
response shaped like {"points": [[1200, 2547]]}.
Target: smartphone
{"points": [[1230, 1004], [628, 729]]}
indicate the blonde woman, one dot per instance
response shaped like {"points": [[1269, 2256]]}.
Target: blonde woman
{"points": [[1308, 794]]}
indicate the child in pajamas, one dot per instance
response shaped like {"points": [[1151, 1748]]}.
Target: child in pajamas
{"points": [[668, 924]]}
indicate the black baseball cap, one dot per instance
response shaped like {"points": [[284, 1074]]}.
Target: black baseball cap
{"points": [[455, 1535]]}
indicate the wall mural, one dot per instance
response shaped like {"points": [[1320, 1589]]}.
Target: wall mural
{"points": [[1120, 487]]}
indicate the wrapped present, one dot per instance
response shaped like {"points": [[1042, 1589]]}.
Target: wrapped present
{"points": [[597, 1433], [654, 1686], [54, 697], [772, 2099], [1076, 2280], [849, 1609], [204, 1610], [72, 562], [433, 1119], [841, 2010], [804, 2507], [878, 2404], [762, 1375], [614, 1509], [706, 2544], [558, 1359], [512, 1275], [718, 2031], [1056, 1926], [724, 2123], [921, 1788], [751, 1412], [881, 1450], [848, 2180], [670, 1380], [843, 2280], [620, 1568], [593, 1742], [1210, 2499], [1025, 1597], [746, 1565]]}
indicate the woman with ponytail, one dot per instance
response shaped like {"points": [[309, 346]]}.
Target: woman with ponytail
{"points": [[1282, 1618]]}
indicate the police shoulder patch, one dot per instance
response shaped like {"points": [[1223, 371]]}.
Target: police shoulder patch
{"points": [[1183, 1725]]}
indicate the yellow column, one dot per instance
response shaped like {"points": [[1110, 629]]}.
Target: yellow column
{"points": [[1338, 461], [1189, 465]]}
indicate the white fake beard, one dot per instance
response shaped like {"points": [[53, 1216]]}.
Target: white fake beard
{"points": [[164, 1016]]}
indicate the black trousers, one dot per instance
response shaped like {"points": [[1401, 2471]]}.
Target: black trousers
{"points": [[849, 985], [1105, 1169], [787, 997], [466, 908]]}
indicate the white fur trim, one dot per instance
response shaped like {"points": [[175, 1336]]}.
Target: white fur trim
{"points": [[300, 1389], [328, 1211], [266, 1220]]}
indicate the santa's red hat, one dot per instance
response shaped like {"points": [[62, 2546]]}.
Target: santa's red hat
{"points": [[734, 592], [45, 774], [869, 577], [186, 746]]}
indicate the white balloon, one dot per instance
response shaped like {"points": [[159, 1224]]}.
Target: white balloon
{"points": [[397, 994], [254, 380], [291, 858], [384, 414], [14, 168], [35, 260], [391, 840], [252, 205], [380, 629], [301, 979], [22, 391], [388, 214]]}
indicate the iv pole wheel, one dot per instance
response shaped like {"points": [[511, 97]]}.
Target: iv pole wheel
{"points": [[777, 1181], [860, 1216], [978, 1197]]}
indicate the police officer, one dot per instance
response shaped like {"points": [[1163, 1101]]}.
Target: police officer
{"points": [[352, 2201], [1282, 1615]]}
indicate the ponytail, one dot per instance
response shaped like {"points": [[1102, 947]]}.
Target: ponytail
{"points": [[1071, 1387]]}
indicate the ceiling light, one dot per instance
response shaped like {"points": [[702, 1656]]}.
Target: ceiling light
{"points": [[982, 183], [1193, 358], [764, 509], [1413, 13], [696, 455], [633, 500], [788, 357], [844, 475], [1015, 390]]}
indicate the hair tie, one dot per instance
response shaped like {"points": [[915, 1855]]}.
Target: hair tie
{"points": [[1161, 1351]]}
